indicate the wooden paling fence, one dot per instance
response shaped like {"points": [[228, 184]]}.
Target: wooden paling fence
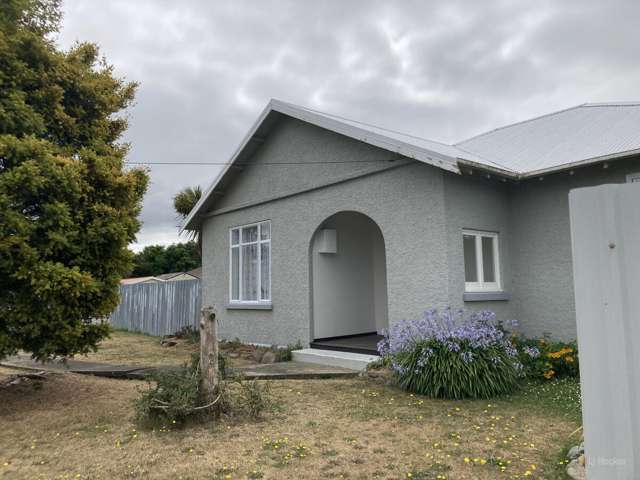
{"points": [[158, 308]]}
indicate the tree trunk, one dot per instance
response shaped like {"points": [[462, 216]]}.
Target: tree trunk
{"points": [[209, 352]]}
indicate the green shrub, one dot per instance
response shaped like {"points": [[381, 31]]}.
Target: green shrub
{"points": [[222, 363], [254, 398], [284, 354], [465, 373], [380, 363], [445, 355], [546, 359], [175, 397], [172, 397]]}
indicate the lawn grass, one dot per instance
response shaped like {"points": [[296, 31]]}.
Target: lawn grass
{"points": [[139, 349], [81, 427], [130, 348]]}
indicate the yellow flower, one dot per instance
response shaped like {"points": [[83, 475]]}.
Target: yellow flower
{"points": [[568, 359], [466, 460]]}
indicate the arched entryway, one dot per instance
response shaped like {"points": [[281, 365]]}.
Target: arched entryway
{"points": [[348, 283]]}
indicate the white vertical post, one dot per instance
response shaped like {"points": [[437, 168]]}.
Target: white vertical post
{"points": [[605, 231]]}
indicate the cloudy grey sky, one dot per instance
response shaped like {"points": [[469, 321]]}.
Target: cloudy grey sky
{"points": [[444, 70]]}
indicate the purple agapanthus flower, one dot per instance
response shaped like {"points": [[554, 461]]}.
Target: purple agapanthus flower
{"points": [[467, 357], [449, 327], [510, 349], [533, 352], [424, 357]]}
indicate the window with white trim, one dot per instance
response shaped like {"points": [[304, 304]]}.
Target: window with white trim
{"points": [[250, 263], [481, 261], [633, 177]]}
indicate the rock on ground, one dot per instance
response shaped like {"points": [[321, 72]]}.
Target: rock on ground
{"points": [[268, 357], [576, 469]]}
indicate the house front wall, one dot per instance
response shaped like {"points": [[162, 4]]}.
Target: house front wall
{"points": [[406, 201], [421, 212], [542, 270], [477, 203]]}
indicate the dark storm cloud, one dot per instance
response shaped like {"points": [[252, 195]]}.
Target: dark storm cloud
{"points": [[441, 69]]}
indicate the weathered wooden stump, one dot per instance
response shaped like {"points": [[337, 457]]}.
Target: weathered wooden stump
{"points": [[209, 353]]}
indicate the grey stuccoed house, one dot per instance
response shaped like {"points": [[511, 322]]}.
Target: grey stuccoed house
{"points": [[325, 230]]}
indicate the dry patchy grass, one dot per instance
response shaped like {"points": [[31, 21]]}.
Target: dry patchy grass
{"points": [[129, 348], [81, 427]]}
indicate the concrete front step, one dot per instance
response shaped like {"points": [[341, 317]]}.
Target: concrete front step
{"points": [[352, 361]]}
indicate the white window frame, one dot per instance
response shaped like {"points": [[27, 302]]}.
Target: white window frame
{"points": [[481, 285], [633, 177], [259, 242]]}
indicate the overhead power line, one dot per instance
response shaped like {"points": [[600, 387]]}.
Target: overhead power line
{"points": [[246, 164]]}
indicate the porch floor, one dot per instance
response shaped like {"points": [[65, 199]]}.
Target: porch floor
{"points": [[365, 343]]}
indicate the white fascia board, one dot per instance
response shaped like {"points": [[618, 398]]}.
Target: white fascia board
{"points": [[221, 174], [488, 168], [515, 175], [579, 163]]}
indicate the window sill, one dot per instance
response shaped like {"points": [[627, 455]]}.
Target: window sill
{"points": [[249, 306], [485, 296]]}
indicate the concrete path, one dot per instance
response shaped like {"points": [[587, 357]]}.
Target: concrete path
{"points": [[273, 371], [292, 370]]}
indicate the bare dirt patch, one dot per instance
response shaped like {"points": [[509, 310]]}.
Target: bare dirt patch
{"points": [[81, 427]]}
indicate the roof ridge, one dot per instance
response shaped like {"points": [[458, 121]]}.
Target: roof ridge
{"points": [[518, 123], [320, 112]]}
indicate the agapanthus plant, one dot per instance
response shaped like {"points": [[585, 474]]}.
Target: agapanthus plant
{"points": [[450, 354]]}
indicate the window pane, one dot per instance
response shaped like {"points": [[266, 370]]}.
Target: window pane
{"points": [[265, 258], [235, 273], [470, 265], [249, 272], [265, 231], [235, 236], [250, 234], [488, 261]]}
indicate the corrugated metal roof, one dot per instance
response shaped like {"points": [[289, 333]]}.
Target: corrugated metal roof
{"points": [[168, 276], [430, 147], [589, 132], [134, 280]]}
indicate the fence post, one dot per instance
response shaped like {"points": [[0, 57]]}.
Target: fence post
{"points": [[605, 231], [209, 351]]}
